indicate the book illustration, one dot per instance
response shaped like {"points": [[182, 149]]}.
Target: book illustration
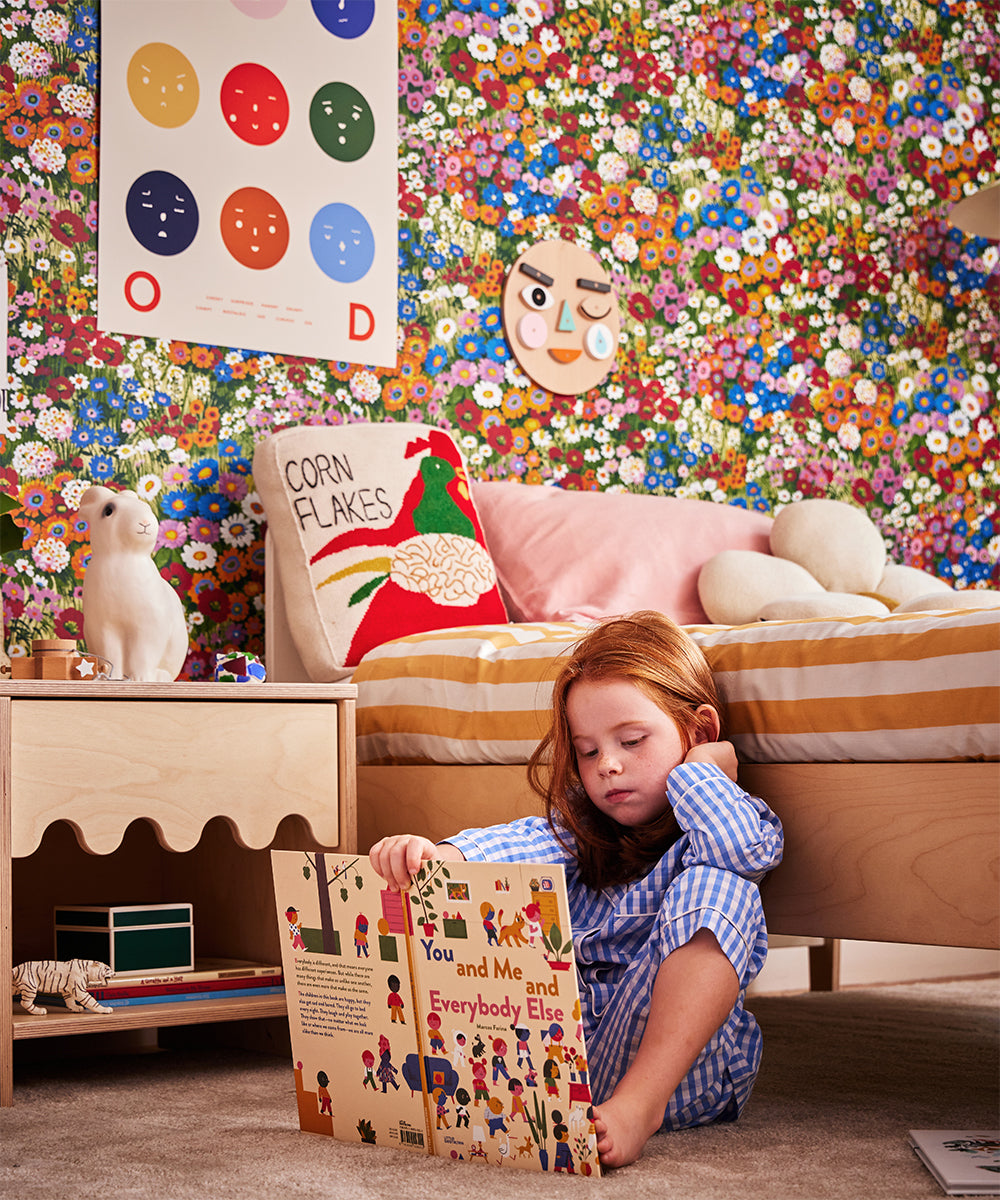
{"points": [[964, 1162], [444, 1019]]}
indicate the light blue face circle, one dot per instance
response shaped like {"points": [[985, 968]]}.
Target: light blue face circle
{"points": [[342, 243]]}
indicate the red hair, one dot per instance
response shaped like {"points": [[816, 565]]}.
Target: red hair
{"points": [[650, 651]]}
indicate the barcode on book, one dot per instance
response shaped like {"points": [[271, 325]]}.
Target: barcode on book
{"points": [[411, 1137]]}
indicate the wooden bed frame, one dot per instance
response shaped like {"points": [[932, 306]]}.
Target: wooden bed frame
{"points": [[893, 852]]}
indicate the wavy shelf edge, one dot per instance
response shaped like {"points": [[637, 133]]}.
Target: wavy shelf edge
{"points": [[104, 833]]}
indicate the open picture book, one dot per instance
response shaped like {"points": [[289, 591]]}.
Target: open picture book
{"points": [[444, 1019]]}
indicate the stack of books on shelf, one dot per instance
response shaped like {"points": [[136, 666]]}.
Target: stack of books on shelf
{"points": [[211, 979]]}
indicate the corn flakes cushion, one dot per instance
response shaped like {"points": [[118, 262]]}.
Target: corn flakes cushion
{"points": [[376, 537]]}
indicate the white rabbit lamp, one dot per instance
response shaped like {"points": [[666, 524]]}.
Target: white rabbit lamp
{"points": [[131, 615]]}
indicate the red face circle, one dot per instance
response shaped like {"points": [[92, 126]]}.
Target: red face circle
{"points": [[254, 104], [254, 228]]}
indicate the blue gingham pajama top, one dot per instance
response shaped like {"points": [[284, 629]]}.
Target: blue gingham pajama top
{"points": [[706, 880]]}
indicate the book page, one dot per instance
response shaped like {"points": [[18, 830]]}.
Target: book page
{"points": [[350, 1000]]}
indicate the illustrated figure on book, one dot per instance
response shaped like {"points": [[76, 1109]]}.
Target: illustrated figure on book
{"points": [[663, 855]]}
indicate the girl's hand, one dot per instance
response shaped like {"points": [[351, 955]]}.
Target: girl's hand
{"points": [[397, 859], [722, 754]]}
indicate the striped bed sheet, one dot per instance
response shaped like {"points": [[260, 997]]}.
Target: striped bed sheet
{"points": [[907, 687]]}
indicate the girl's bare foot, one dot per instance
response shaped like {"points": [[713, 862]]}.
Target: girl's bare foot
{"points": [[624, 1125]]}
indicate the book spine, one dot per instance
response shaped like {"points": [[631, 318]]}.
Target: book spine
{"points": [[106, 994], [418, 1020], [172, 997], [196, 976]]}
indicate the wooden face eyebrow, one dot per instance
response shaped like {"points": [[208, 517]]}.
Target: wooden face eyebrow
{"points": [[538, 276], [592, 285]]}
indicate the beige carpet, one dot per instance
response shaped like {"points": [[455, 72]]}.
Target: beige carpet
{"points": [[844, 1077]]}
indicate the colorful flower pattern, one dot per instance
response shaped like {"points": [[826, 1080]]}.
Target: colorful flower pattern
{"points": [[767, 183]]}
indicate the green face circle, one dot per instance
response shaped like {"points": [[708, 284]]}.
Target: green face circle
{"points": [[342, 122]]}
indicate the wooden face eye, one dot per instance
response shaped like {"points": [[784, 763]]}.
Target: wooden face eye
{"points": [[537, 296], [108, 510]]}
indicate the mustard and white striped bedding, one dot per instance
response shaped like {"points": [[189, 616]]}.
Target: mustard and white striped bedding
{"points": [[902, 688]]}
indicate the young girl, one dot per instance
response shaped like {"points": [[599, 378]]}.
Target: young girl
{"points": [[663, 855]]}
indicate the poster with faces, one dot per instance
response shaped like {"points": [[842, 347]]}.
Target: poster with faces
{"points": [[248, 175]]}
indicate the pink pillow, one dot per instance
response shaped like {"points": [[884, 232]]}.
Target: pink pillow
{"points": [[578, 556]]}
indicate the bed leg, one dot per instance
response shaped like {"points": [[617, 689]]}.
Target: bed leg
{"points": [[824, 966]]}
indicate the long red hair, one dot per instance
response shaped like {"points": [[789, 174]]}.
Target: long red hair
{"points": [[658, 657]]}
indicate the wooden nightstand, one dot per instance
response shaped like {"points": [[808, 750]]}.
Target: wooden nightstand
{"points": [[213, 768]]}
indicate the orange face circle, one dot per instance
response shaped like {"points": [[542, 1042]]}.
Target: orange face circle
{"points": [[254, 228]]}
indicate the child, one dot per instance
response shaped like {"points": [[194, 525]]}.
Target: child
{"points": [[663, 855]]}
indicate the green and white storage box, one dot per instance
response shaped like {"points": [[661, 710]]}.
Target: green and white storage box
{"points": [[133, 939]]}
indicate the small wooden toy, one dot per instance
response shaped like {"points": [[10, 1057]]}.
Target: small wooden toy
{"points": [[59, 658]]}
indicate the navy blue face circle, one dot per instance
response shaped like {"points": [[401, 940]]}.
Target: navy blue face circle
{"points": [[162, 213], [345, 18]]}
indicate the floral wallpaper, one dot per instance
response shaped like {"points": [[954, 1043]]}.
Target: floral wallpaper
{"points": [[767, 184]]}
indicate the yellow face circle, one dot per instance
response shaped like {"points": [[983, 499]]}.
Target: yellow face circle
{"points": [[163, 85], [560, 314]]}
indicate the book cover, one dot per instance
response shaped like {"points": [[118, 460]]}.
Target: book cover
{"points": [[964, 1162], [445, 1019]]}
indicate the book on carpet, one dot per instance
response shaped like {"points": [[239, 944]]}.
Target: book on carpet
{"points": [[444, 1019], [964, 1162]]}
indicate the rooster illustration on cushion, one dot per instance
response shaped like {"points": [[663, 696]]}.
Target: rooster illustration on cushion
{"points": [[430, 557]]}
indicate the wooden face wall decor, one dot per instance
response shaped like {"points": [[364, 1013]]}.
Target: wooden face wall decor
{"points": [[560, 314]]}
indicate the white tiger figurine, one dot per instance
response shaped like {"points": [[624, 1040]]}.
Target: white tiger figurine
{"points": [[67, 979]]}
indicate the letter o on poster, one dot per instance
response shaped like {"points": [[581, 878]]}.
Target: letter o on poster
{"points": [[134, 295]]}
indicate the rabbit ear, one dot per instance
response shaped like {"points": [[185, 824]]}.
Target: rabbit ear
{"points": [[93, 498]]}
